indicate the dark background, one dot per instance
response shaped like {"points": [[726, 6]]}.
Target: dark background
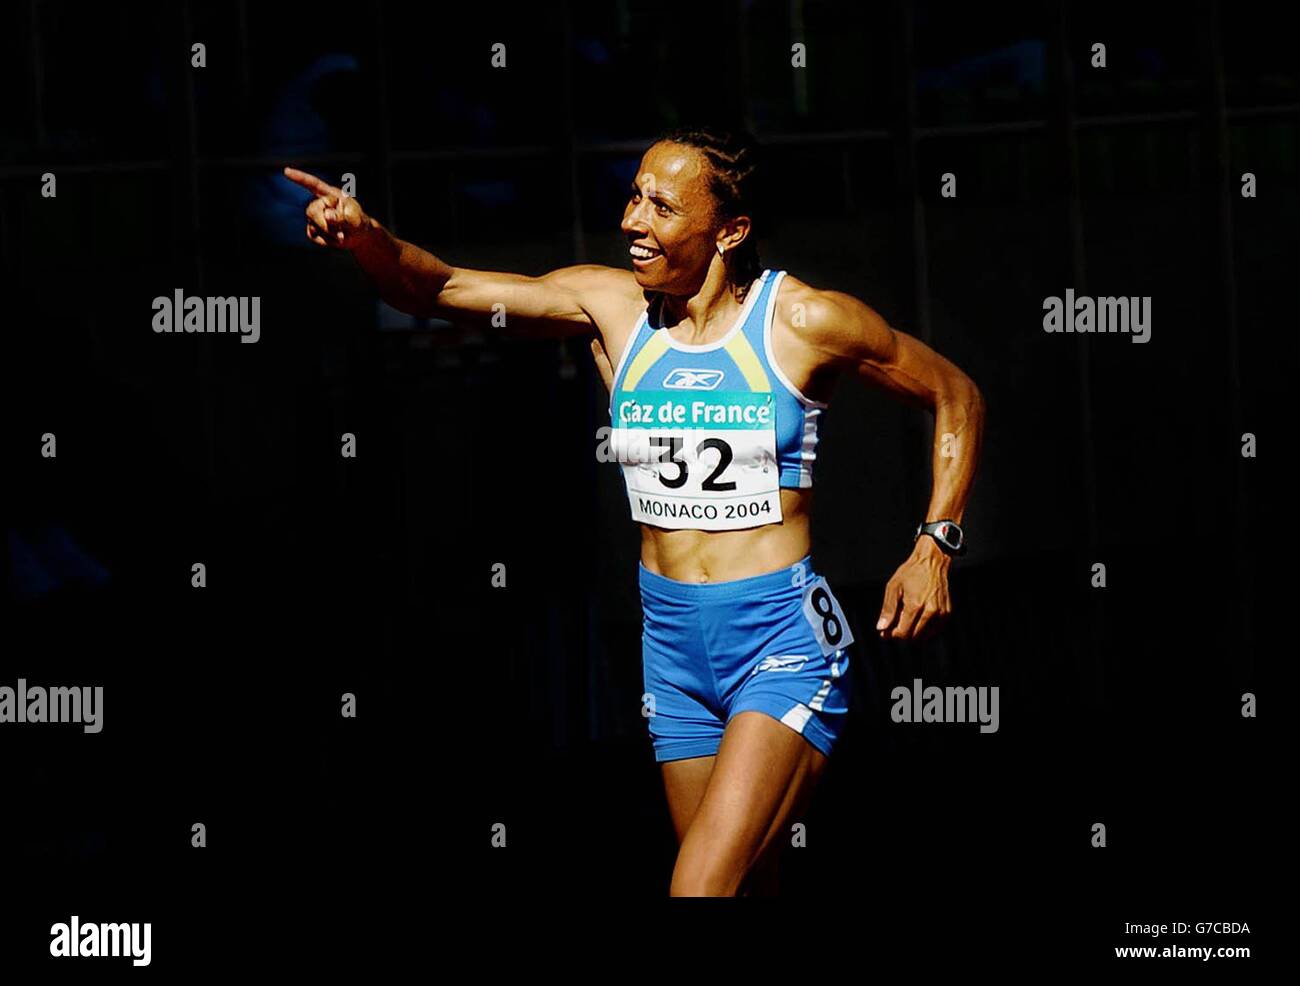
{"points": [[372, 575]]}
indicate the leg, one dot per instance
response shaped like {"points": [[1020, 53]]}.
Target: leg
{"points": [[763, 773], [684, 783]]}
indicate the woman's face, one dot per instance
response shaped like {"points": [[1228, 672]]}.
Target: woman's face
{"points": [[670, 220]]}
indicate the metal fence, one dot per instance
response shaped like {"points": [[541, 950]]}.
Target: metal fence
{"points": [[1208, 126]]}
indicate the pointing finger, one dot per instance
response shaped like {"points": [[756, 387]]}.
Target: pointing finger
{"points": [[310, 182]]}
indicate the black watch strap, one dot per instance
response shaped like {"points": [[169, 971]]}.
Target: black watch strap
{"points": [[947, 534]]}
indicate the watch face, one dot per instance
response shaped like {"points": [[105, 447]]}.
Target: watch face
{"points": [[951, 535]]}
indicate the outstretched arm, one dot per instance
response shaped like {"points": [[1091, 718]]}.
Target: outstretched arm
{"points": [[851, 334], [565, 302]]}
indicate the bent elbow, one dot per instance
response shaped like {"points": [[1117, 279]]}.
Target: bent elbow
{"points": [[962, 393]]}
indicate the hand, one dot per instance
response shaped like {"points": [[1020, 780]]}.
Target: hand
{"points": [[333, 219], [916, 598]]}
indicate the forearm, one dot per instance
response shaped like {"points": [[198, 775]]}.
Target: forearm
{"points": [[958, 435], [407, 277]]}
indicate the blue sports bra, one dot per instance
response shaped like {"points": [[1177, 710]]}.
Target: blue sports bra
{"points": [[707, 435]]}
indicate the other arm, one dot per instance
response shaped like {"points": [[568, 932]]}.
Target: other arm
{"points": [[849, 333]]}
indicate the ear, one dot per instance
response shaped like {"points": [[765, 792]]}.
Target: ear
{"points": [[733, 233]]}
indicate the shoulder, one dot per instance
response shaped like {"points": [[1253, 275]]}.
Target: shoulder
{"points": [[610, 297], [597, 280], [831, 321]]}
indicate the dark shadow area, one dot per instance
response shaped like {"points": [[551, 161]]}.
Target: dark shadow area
{"points": [[521, 705]]}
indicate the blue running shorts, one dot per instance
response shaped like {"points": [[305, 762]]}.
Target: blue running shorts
{"points": [[773, 643]]}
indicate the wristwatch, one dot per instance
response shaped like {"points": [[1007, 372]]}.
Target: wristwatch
{"points": [[946, 533]]}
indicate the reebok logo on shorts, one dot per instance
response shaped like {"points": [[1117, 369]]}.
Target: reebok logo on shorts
{"points": [[783, 662]]}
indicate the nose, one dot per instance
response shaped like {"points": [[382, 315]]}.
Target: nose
{"points": [[633, 221]]}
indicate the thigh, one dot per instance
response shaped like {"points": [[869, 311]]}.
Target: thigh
{"points": [[684, 783], [762, 776], [793, 664]]}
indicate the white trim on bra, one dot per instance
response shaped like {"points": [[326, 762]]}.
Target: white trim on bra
{"points": [[754, 291], [771, 354]]}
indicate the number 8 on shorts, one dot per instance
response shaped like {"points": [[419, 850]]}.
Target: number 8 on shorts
{"points": [[822, 610]]}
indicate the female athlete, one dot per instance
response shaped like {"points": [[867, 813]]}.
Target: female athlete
{"points": [[718, 373]]}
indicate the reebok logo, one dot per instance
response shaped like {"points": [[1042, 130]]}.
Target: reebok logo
{"points": [[782, 662], [683, 378]]}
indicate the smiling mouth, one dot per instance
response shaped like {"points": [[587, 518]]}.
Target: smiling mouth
{"points": [[643, 254]]}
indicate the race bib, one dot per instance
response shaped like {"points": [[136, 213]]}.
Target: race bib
{"points": [[698, 460], [822, 611]]}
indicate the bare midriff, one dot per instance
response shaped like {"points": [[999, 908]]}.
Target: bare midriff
{"points": [[724, 556]]}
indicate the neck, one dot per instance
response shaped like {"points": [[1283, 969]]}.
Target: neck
{"points": [[713, 301]]}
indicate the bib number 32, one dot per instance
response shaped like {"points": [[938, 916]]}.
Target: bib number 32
{"points": [[670, 447], [822, 610]]}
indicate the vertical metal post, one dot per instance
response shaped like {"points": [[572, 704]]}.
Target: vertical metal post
{"points": [[10, 256], [1064, 123], [37, 67], [584, 688], [245, 60], [245, 95], [911, 224], [905, 138], [1215, 161], [800, 78], [186, 153], [579, 238], [383, 164], [740, 79]]}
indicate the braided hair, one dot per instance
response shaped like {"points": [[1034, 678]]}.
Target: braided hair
{"points": [[733, 158]]}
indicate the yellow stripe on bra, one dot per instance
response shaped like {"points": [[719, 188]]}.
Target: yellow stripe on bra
{"points": [[748, 363], [646, 358]]}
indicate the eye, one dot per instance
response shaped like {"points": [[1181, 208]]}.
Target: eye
{"points": [[663, 210]]}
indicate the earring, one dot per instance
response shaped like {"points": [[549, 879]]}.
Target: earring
{"points": [[722, 252]]}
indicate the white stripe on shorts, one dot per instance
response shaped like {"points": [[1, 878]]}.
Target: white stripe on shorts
{"points": [[820, 697], [797, 717]]}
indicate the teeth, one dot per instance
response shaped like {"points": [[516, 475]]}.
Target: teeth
{"points": [[642, 253]]}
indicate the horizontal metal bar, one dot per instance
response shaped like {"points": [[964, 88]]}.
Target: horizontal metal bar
{"points": [[1135, 119], [237, 161], [597, 148], [99, 167], [1255, 112], [477, 153], [980, 129], [827, 137]]}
